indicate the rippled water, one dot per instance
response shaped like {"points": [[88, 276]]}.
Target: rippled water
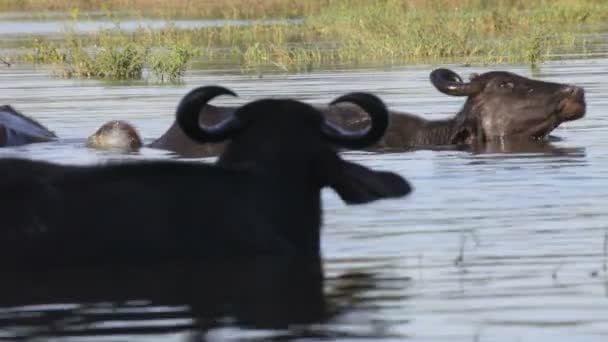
{"points": [[489, 247]]}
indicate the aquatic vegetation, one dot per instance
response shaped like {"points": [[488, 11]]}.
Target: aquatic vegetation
{"points": [[111, 54], [399, 32], [171, 64], [347, 33], [121, 63], [112, 58]]}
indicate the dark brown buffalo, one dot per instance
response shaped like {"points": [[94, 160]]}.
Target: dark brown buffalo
{"points": [[500, 106], [17, 129], [121, 135], [115, 134]]}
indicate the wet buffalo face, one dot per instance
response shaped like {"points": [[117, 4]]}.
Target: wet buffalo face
{"points": [[115, 135], [502, 105]]}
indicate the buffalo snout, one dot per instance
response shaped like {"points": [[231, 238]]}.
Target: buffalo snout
{"points": [[572, 106]]}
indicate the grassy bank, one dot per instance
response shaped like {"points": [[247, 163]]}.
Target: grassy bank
{"points": [[333, 32]]}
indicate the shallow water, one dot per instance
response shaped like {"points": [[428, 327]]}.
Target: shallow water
{"points": [[24, 27], [489, 247]]}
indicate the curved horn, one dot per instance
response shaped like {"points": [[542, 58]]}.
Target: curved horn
{"points": [[448, 82], [378, 113], [188, 111]]}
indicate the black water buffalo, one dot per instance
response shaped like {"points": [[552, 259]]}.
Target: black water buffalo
{"points": [[500, 106], [17, 129], [263, 196]]}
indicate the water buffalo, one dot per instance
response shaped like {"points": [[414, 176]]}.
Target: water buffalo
{"points": [[17, 129], [121, 135], [115, 134], [500, 106], [263, 196]]}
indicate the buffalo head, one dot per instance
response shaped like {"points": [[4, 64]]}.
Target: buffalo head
{"points": [[115, 135], [294, 145], [503, 105]]}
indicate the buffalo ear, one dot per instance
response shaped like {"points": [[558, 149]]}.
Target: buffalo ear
{"points": [[357, 184]]}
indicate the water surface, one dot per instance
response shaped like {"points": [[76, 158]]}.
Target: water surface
{"points": [[489, 247], [25, 27]]}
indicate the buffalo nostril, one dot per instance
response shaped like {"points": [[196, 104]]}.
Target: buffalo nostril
{"points": [[579, 94]]}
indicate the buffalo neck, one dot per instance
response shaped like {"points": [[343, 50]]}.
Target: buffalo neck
{"points": [[437, 132], [286, 193], [411, 131]]}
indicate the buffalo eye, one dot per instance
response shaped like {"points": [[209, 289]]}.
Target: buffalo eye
{"points": [[507, 85]]}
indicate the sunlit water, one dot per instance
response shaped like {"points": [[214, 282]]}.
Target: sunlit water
{"points": [[489, 247]]}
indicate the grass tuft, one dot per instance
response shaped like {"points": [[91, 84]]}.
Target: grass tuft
{"points": [[171, 64]]}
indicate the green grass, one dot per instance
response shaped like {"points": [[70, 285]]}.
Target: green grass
{"points": [[112, 54], [347, 33], [171, 64]]}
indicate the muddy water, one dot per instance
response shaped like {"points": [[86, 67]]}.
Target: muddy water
{"points": [[489, 247]]}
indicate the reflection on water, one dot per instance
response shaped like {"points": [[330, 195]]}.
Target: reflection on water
{"points": [[163, 298], [499, 244], [267, 298]]}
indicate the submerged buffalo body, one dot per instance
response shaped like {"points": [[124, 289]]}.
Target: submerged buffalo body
{"points": [[499, 106], [17, 129], [263, 196]]}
